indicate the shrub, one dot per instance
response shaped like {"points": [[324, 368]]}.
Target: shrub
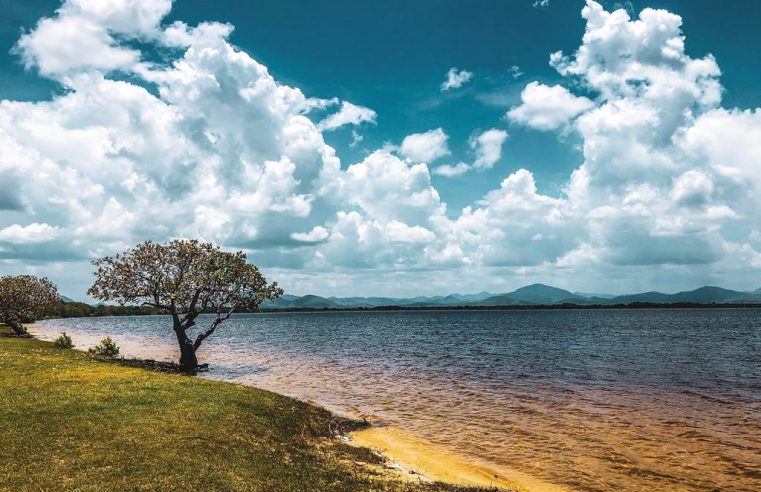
{"points": [[106, 348], [63, 341]]}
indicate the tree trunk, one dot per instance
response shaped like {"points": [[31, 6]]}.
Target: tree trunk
{"points": [[18, 328], [188, 359]]}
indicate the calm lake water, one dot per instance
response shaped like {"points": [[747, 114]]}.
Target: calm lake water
{"points": [[592, 400]]}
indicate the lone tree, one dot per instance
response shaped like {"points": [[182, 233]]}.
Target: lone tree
{"points": [[26, 298], [184, 278]]}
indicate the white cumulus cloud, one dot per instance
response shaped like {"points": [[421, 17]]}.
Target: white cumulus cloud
{"points": [[81, 36], [317, 234], [425, 147], [488, 148], [548, 107], [32, 233], [452, 170]]}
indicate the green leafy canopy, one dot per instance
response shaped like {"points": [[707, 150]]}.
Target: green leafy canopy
{"points": [[182, 276]]}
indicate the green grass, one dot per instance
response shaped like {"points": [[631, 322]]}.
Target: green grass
{"points": [[70, 422]]}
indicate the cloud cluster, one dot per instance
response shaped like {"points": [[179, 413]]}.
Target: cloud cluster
{"points": [[653, 189], [208, 144], [221, 151]]}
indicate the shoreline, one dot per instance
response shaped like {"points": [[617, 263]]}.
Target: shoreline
{"points": [[520, 307], [438, 464], [410, 456], [106, 378], [635, 306]]}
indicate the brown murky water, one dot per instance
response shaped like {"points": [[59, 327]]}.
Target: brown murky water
{"points": [[608, 400]]}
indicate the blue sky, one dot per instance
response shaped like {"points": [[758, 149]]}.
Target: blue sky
{"points": [[391, 58]]}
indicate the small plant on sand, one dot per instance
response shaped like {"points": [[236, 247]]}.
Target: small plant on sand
{"points": [[63, 341], [106, 348]]}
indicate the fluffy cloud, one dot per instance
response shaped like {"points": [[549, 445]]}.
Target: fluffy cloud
{"points": [[548, 108], [650, 191], [455, 79], [120, 16], [425, 147], [223, 152], [348, 114], [642, 58], [33, 233], [81, 36], [669, 178], [452, 170], [692, 188], [488, 148], [516, 226], [388, 188], [317, 234]]}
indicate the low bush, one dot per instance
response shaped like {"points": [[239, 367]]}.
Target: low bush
{"points": [[106, 348], [63, 341]]}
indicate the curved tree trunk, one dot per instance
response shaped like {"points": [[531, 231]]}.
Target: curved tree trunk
{"points": [[188, 359], [17, 328]]}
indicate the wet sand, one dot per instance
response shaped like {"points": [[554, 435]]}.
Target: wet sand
{"points": [[437, 463]]}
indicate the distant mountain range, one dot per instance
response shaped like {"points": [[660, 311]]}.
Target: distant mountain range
{"points": [[536, 294], [530, 295]]}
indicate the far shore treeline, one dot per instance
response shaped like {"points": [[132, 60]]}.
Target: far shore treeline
{"points": [[84, 310]]}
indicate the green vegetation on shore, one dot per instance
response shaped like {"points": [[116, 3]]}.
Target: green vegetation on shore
{"points": [[70, 421]]}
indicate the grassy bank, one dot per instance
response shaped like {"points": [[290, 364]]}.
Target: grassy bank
{"points": [[68, 421]]}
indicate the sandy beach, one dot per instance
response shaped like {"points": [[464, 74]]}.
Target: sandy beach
{"points": [[437, 463]]}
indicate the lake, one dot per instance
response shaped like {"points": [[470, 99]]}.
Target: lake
{"points": [[592, 400]]}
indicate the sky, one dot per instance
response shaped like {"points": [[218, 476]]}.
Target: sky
{"points": [[388, 148]]}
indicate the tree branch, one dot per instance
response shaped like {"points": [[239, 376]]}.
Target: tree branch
{"points": [[219, 319], [203, 336], [153, 304]]}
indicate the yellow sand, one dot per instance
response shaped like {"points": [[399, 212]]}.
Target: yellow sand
{"points": [[435, 463]]}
